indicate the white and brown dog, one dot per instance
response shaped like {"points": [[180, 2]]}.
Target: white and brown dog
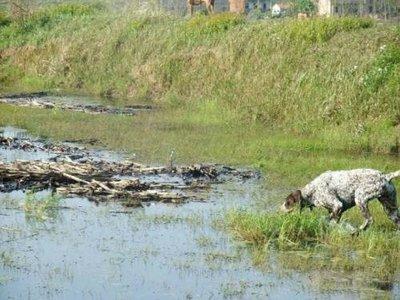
{"points": [[338, 191]]}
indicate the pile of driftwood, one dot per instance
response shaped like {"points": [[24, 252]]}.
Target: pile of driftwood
{"points": [[96, 181], [101, 180], [81, 154], [38, 100], [78, 171]]}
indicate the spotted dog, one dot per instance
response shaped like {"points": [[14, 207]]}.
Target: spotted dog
{"points": [[338, 191]]}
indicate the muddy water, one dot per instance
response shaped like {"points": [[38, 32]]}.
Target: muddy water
{"points": [[88, 251]]}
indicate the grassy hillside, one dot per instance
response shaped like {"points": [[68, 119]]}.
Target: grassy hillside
{"points": [[336, 81]]}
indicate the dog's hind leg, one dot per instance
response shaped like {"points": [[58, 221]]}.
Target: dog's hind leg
{"points": [[389, 203]]}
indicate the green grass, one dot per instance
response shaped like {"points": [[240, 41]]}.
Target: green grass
{"points": [[299, 75], [286, 159], [41, 208], [308, 241]]}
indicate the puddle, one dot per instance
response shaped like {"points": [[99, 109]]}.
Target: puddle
{"points": [[70, 103], [160, 251], [9, 155], [43, 150]]}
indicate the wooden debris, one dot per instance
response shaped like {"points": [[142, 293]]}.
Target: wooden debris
{"points": [[94, 180], [77, 171]]}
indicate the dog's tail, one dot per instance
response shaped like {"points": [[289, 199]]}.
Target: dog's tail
{"points": [[392, 175]]}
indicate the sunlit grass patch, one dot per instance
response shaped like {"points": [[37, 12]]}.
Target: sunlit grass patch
{"points": [[307, 241], [321, 30], [41, 208]]}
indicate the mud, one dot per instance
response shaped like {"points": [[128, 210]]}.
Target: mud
{"points": [[46, 101]]}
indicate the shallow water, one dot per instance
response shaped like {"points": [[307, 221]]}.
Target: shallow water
{"points": [[106, 251]]}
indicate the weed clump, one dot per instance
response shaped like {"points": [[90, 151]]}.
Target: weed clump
{"points": [[309, 241], [294, 231], [40, 209]]}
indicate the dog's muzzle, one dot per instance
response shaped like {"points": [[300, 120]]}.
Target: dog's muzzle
{"points": [[284, 209]]}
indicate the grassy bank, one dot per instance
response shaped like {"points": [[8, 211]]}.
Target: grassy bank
{"points": [[323, 79]]}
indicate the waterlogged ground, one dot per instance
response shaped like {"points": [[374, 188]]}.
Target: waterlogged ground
{"points": [[86, 251]]}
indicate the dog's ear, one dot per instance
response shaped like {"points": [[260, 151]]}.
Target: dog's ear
{"points": [[297, 196], [294, 197], [299, 199]]}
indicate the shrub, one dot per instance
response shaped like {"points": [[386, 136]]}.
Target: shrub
{"points": [[304, 6], [387, 61]]}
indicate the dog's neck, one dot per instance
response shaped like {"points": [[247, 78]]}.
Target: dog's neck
{"points": [[306, 194]]}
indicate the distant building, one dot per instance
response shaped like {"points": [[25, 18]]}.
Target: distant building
{"points": [[373, 8], [242, 6]]}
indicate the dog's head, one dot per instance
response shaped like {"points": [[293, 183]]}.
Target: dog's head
{"points": [[291, 201]]}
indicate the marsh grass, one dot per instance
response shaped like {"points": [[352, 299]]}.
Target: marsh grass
{"points": [[204, 241], [221, 257], [285, 158], [308, 241], [193, 220], [6, 259], [41, 208]]}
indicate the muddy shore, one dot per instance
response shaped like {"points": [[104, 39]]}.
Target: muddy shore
{"points": [[46, 101]]}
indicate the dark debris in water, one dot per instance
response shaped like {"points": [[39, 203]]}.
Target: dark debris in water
{"points": [[78, 171]]}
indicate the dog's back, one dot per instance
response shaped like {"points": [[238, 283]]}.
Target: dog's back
{"points": [[344, 183]]}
